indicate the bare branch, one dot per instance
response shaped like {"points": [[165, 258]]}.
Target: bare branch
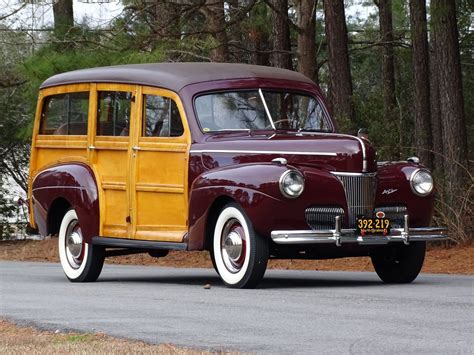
{"points": [[3, 17]]}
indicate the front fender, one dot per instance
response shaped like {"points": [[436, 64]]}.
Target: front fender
{"points": [[393, 188], [74, 183], [255, 187]]}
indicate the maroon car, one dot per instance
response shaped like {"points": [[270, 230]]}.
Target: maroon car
{"points": [[240, 160]]}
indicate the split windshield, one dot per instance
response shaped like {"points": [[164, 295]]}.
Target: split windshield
{"points": [[260, 110]]}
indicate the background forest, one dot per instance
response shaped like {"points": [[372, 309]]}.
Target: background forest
{"points": [[403, 70]]}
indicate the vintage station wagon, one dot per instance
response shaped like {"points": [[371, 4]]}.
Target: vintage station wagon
{"points": [[243, 161]]}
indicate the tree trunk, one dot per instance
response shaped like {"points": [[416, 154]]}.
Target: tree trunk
{"points": [[340, 81], [445, 35], [166, 16], [435, 113], [281, 57], [214, 12], [388, 62], [421, 71], [63, 17], [235, 32], [258, 35], [306, 23]]}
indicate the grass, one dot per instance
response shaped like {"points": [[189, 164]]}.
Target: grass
{"points": [[16, 339]]}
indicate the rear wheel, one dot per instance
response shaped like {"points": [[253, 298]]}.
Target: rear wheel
{"points": [[81, 261], [239, 254], [400, 264]]}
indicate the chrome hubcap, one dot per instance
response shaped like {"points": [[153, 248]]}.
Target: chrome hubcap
{"points": [[74, 245], [233, 245]]}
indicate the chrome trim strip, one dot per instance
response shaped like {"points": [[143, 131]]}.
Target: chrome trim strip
{"points": [[364, 155], [342, 236], [260, 152], [352, 174], [266, 108], [57, 187], [361, 142]]}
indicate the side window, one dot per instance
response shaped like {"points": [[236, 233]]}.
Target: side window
{"points": [[65, 114], [161, 117], [113, 115]]}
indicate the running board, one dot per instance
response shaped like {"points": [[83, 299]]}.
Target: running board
{"points": [[137, 244]]}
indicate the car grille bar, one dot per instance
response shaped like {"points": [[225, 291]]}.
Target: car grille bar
{"points": [[360, 194], [321, 217]]}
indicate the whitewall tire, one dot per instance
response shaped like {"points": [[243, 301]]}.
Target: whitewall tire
{"points": [[81, 261], [240, 255]]}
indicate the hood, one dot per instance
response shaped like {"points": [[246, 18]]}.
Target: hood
{"points": [[330, 151]]}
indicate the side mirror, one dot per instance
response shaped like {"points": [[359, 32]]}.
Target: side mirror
{"points": [[363, 133]]}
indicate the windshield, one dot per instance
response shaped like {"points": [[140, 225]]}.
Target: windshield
{"points": [[260, 110]]}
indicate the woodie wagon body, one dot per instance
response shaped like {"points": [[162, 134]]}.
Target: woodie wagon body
{"points": [[240, 160]]}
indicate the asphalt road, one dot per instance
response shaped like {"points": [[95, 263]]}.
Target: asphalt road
{"points": [[292, 312]]}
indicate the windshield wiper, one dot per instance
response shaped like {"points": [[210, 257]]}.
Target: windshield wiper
{"points": [[266, 108], [234, 129]]}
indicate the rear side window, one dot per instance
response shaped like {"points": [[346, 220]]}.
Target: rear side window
{"points": [[65, 114], [161, 117], [113, 116]]}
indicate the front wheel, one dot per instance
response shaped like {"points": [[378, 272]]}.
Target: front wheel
{"points": [[400, 264], [240, 255], [81, 261]]}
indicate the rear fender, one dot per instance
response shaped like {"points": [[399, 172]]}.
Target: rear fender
{"points": [[62, 186]]}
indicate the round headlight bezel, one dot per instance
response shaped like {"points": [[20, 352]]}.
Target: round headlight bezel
{"points": [[412, 182], [283, 189]]}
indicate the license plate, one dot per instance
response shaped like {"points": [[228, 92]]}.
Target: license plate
{"points": [[373, 226]]}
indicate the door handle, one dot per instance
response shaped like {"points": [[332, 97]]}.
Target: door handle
{"points": [[135, 148], [91, 147]]}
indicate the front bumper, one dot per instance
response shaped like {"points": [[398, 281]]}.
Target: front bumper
{"points": [[340, 236]]}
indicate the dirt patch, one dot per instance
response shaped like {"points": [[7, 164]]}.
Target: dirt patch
{"points": [[446, 260], [27, 340]]}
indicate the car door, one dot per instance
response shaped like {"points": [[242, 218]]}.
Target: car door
{"points": [[160, 154], [113, 111]]}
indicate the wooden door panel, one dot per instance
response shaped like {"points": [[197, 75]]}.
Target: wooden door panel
{"points": [[160, 180], [111, 160], [113, 173]]}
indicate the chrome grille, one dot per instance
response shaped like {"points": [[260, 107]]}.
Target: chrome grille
{"points": [[319, 217], [394, 213], [360, 194]]}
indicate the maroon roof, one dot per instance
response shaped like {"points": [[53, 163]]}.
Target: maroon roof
{"points": [[172, 76]]}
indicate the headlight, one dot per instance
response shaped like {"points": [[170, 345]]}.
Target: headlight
{"points": [[291, 183], [421, 182]]}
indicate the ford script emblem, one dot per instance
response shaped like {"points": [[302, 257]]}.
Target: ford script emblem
{"points": [[380, 214]]}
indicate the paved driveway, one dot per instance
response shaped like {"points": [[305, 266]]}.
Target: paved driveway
{"points": [[293, 311]]}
